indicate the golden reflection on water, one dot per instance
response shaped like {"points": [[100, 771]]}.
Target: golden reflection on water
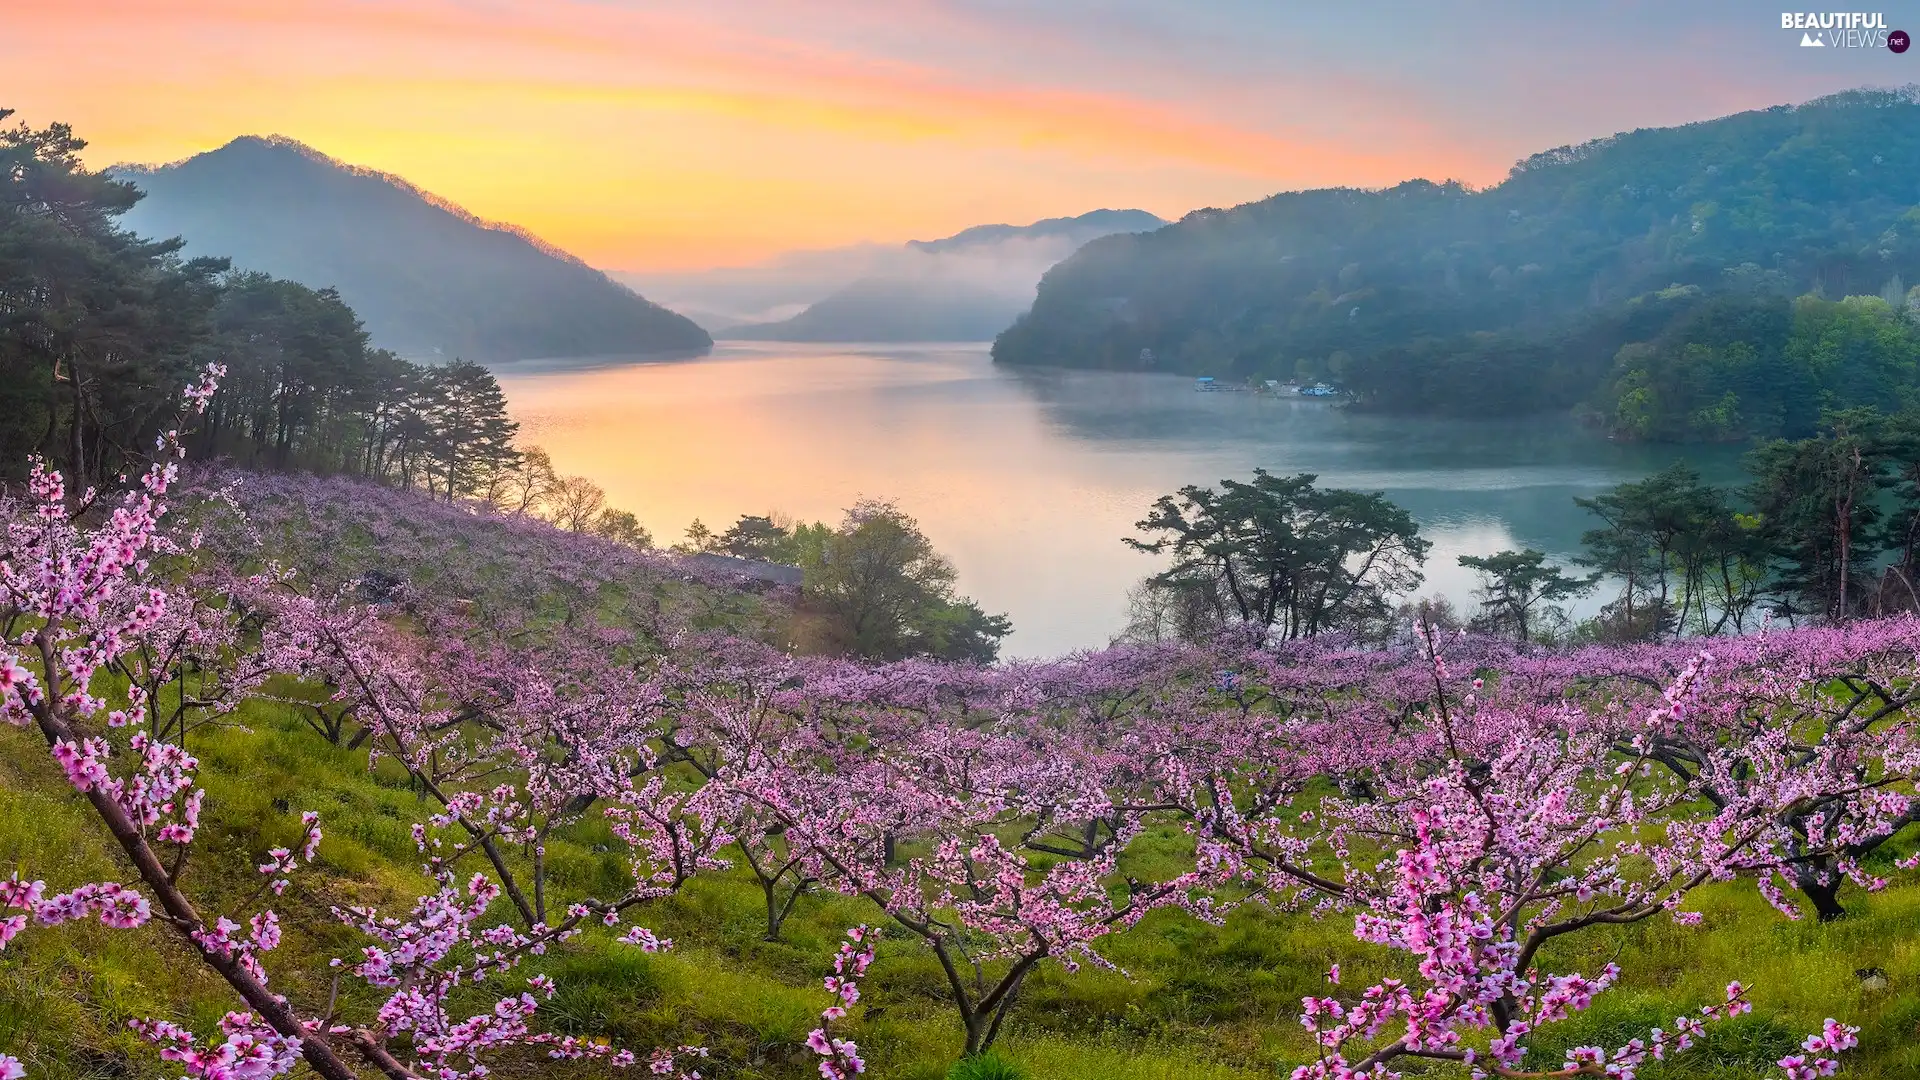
{"points": [[1027, 480]]}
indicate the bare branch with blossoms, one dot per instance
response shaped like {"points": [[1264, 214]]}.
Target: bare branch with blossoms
{"points": [[85, 592], [840, 1058], [1496, 825], [92, 600]]}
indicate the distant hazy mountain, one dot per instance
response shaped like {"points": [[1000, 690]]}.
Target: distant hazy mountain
{"points": [[965, 287], [779, 288], [423, 274], [1075, 230], [894, 309], [963, 284]]}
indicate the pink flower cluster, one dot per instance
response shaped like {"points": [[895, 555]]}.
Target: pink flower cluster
{"points": [[840, 1058], [1815, 1062], [247, 1050], [115, 905], [1463, 801]]}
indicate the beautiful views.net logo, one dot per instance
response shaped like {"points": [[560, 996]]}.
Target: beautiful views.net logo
{"points": [[1843, 30]]}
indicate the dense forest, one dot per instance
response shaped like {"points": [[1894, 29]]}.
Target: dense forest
{"points": [[1722, 280], [427, 277]]}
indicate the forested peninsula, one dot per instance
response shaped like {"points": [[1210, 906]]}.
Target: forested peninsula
{"points": [[1723, 280]]}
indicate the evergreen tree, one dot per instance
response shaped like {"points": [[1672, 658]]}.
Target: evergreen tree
{"points": [[97, 326], [470, 437], [1819, 502], [1516, 583], [753, 537], [1285, 557]]}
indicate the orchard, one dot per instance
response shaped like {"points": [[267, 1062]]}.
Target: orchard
{"points": [[1467, 809]]}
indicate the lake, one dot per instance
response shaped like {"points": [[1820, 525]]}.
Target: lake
{"points": [[1027, 479]]}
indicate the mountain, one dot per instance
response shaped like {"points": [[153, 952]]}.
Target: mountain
{"points": [[919, 308], [965, 287], [424, 275], [1076, 230], [1438, 298], [780, 288]]}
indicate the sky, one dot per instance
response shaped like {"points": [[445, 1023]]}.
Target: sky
{"points": [[662, 136]]}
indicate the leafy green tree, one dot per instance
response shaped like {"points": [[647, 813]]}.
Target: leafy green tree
{"points": [[1515, 583], [700, 540], [801, 543], [623, 527], [960, 629], [1284, 556], [876, 588], [753, 537]]}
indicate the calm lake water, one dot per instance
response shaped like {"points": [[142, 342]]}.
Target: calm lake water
{"points": [[1028, 479]]}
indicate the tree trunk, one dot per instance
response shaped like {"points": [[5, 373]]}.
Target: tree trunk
{"points": [[179, 912], [777, 908], [76, 434], [1824, 895], [978, 1038]]}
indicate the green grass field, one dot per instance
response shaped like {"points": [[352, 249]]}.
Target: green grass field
{"points": [[1192, 1001]]}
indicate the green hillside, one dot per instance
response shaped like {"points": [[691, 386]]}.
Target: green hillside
{"points": [[1436, 297], [1191, 1001]]}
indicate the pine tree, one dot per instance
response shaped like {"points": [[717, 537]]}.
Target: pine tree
{"points": [[469, 434]]}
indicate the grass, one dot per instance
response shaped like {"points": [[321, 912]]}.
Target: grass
{"points": [[1194, 1002]]}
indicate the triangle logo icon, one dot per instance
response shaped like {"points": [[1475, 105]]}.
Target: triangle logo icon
{"points": [[1808, 41]]}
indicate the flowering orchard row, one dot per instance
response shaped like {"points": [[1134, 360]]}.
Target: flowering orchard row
{"points": [[1460, 803]]}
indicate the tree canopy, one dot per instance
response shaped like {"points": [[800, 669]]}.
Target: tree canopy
{"points": [[875, 587], [1518, 588], [1278, 554]]}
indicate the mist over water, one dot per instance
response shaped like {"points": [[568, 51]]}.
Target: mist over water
{"points": [[999, 266], [1028, 479]]}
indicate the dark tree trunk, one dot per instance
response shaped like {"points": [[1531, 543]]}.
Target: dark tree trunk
{"points": [[1824, 895]]}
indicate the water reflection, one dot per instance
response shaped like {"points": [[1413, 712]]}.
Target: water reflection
{"points": [[1029, 478]]}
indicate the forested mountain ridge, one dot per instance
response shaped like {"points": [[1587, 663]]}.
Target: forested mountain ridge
{"points": [[1520, 297], [964, 287], [425, 275]]}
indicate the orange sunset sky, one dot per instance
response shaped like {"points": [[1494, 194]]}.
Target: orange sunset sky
{"points": [[659, 136]]}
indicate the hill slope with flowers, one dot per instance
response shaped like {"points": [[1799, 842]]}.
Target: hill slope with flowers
{"points": [[406, 789]]}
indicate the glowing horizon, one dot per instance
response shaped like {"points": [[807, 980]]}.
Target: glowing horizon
{"points": [[644, 137]]}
